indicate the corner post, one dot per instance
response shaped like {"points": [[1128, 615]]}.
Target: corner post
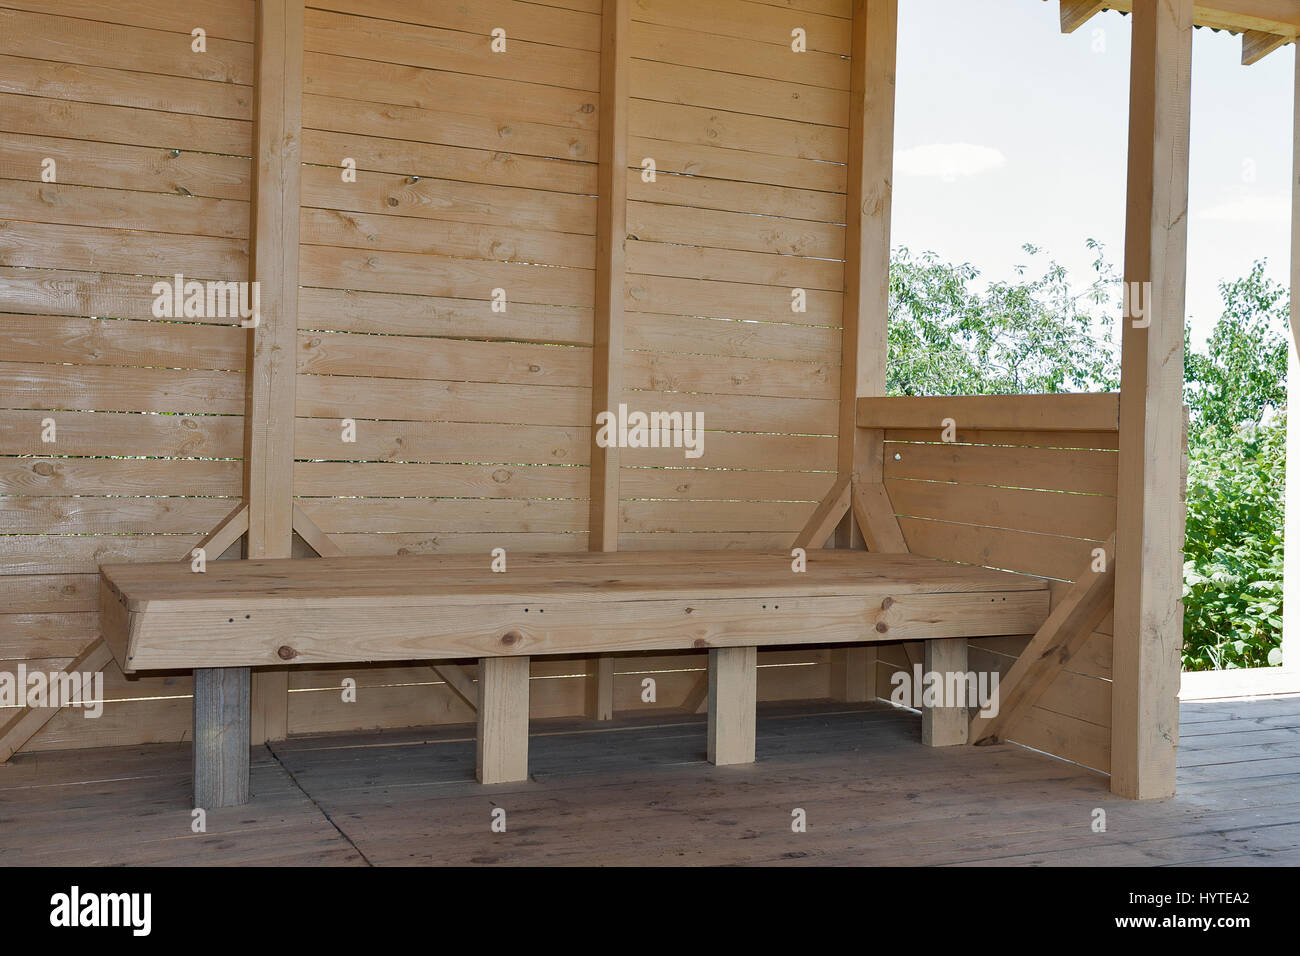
{"points": [[866, 280], [607, 327], [231, 702], [1148, 583], [1291, 512]]}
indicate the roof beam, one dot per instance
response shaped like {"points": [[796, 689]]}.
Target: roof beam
{"points": [[1256, 45], [1281, 17], [1075, 13]]}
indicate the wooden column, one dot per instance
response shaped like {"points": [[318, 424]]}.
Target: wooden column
{"points": [[607, 328], [733, 700], [223, 699], [220, 737], [1291, 513], [1148, 583], [272, 346], [502, 720], [945, 726], [866, 280], [600, 687]]}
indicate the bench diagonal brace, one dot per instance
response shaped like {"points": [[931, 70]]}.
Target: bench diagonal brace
{"points": [[1065, 631]]}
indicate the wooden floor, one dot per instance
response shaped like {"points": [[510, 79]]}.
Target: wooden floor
{"points": [[638, 791]]}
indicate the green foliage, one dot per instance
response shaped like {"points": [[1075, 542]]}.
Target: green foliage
{"points": [[1030, 335], [1243, 369], [1034, 335], [1232, 575]]}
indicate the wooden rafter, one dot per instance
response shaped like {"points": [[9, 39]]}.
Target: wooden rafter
{"points": [[1065, 631], [1255, 45], [1075, 13], [1267, 16]]}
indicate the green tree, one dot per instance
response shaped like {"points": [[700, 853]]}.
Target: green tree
{"points": [[1242, 372], [1232, 575], [1032, 334]]}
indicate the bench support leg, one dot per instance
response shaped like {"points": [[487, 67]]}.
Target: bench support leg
{"points": [[502, 719], [600, 687], [733, 695], [221, 742], [853, 673], [945, 726]]}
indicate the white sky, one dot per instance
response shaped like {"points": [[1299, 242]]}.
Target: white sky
{"points": [[1009, 132]]}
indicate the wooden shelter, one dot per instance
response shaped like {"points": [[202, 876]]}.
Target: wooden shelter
{"points": [[472, 228]]}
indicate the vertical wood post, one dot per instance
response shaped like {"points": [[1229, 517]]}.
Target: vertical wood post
{"points": [[945, 726], [1148, 584], [853, 673], [220, 737], [268, 431], [1291, 512], [607, 328], [866, 280], [268, 406], [502, 720], [600, 687], [733, 699]]}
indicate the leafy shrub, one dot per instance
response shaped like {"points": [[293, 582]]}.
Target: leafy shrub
{"points": [[1232, 575]]}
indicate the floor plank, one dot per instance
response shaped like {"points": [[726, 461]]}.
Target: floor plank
{"points": [[638, 790]]}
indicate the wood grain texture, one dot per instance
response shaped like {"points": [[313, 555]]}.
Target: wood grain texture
{"points": [[1058, 412], [221, 737], [732, 701], [502, 751], [944, 725], [1148, 583], [307, 611]]}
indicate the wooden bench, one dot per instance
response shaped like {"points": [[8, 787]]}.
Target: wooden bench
{"points": [[313, 611]]}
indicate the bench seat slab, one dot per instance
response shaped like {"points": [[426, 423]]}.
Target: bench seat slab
{"points": [[318, 611]]}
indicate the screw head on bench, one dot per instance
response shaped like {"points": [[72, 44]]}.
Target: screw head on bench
{"points": [[286, 653]]}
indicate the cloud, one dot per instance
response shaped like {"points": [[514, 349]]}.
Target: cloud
{"points": [[948, 161], [1250, 209]]}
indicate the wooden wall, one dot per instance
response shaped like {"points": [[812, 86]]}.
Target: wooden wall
{"points": [[475, 171], [749, 143], [151, 146]]}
